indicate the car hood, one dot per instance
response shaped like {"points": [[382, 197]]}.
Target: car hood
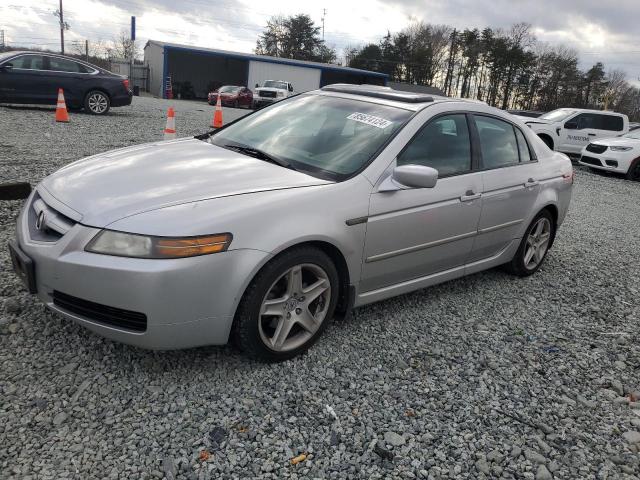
{"points": [[618, 142], [531, 120], [107, 187]]}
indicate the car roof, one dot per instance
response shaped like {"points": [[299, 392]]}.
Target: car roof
{"points": [[51, 54], [388, 96]]}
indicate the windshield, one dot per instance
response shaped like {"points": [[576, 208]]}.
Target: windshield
{"points": [[274, 84], [228, 88], [557, 115], [6, 55], [635, 134], [327, 137]]}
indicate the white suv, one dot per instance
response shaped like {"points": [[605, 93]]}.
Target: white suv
{"points": [[569, 130], [619, 154], [271, 91]]}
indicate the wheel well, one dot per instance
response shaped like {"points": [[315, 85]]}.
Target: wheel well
{"points": [[546, 139], [341, 265], [97, 89], [553, 210]]}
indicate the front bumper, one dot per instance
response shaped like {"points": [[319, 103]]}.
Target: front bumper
{"points": [[188, 302], [262, 101], [608, 161]]}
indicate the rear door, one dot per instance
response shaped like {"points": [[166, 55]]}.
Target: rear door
{"points": [[71, 76], [25, 81], [511, 184]]}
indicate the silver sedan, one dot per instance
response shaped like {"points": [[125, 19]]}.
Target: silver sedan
{"points": [[266, 229]]}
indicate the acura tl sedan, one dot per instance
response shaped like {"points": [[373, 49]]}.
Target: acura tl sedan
{"points": [[266, 229]]}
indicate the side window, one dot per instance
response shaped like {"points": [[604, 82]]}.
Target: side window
{"points": [[523, 148], [443, 144], [63, 65], [497, 142], [28, 62], [588, 120], [612, 122]]}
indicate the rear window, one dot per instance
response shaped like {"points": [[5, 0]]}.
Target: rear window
{"points": [[612, 122], [64, 65]]}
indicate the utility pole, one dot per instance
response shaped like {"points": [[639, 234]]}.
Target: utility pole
{"points": [[61, 29], [324, 14], [86, 50], [1, 40]]}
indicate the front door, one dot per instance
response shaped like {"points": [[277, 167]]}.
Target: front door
{"points": [[587, 127], [25, 81], [417, 232], [511, 185]]}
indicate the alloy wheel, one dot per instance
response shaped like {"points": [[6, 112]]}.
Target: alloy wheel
{"points": [[294, 307], [98, 103], [537, 243]]}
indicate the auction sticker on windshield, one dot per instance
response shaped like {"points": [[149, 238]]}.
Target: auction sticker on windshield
{"points": [[370, 120]]}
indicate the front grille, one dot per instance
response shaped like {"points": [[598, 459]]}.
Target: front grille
{"points": [[591, 161], [45, 223], [267, 94], [112, 316], [596, 148]]}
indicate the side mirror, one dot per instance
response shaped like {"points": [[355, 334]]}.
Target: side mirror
{"points": [[571, 125], [6, 66], [257, 85], [291, 88], [409, 176]]}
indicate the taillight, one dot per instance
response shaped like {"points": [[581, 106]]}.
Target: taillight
{"points": [[568, 177], [125, 82]]}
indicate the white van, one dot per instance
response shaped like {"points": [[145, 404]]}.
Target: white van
{"points": [[569, 130]]}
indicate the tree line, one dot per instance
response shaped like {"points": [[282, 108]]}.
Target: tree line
{"points": [[505, 68]]}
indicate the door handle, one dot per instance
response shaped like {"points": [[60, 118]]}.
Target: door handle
{"points": [[469, 196], [591, 134], [531, 183]]}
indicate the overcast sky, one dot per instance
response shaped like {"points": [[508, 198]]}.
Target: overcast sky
{"points": [[600, 30]]}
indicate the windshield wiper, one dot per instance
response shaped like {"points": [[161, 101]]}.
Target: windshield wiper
{"points": [[257, 153]]}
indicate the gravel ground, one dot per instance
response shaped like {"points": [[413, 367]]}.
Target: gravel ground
{"points": [[484, 377]]}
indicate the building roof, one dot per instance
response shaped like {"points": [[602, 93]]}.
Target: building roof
{"points": [[266, 58]]}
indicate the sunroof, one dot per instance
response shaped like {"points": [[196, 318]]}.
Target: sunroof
{"points": [[379, 92]]}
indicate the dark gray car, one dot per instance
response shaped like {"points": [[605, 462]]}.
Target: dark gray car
{"points": [[35, 77]]}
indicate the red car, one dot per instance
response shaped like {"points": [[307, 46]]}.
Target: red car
{"points": [[232, 96]]}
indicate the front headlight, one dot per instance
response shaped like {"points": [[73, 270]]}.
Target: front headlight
{"points": [[110, 242], [281, 94], [620, 149]]}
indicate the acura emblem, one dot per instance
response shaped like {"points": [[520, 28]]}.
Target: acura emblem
{"points": [[40, 221]]}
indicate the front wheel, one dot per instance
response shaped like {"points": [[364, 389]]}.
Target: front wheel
{"points": [[287, 305], [634, 171], [534, 246], [97, 102]]}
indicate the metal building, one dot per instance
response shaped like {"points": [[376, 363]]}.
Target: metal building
{"points": [[206, 69]]}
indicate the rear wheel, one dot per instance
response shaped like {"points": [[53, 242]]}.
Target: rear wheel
{"points": [[97, 102], [634, 171], [534, 246], [287, 305]]}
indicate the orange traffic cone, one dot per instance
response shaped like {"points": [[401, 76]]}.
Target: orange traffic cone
{"points": [[216, 122], [61, 108], [170, 129]]}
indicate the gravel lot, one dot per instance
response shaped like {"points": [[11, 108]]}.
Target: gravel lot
{"points": [[484, 377]]}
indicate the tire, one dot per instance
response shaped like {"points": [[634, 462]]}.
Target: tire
{"points": [[525, 263], [97, 102], [548, 142], [634, 171], [262, 335]]}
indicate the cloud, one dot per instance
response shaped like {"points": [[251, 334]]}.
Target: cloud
{"points": [[596, 29]]}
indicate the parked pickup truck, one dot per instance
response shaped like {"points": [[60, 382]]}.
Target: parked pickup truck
{"points": [[569, 130], [271, 91]]}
